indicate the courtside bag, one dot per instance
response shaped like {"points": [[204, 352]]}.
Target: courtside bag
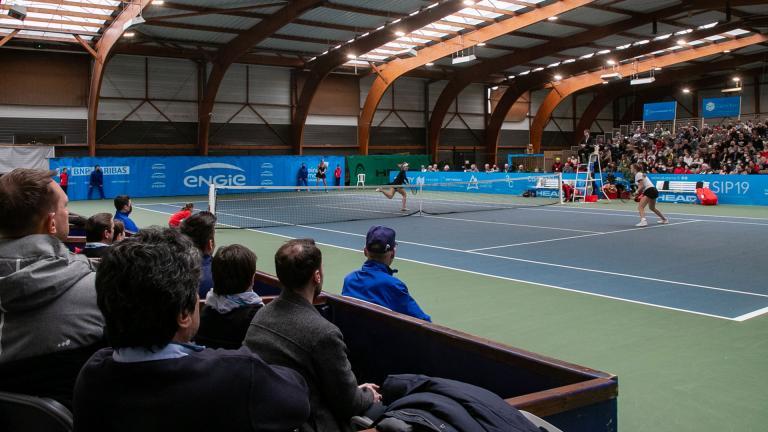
{"points": [[706, 196]]}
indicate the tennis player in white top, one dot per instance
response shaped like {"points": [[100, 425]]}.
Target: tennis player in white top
{"points": [[646, 196]]}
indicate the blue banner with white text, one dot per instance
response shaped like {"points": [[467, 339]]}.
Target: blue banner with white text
{"points": [[188, 175], [721, 107], [494, 183], [658, 111], [730, 189]]}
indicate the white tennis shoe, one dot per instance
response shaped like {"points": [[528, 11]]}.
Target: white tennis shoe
{"points": [[663, 221], [642, 223]]}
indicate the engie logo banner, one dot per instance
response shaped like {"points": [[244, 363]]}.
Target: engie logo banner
{"points": [[188, 175], [721, 107], [659, 111]]}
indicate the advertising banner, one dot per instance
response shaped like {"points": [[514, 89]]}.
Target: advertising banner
{"points": [[659, 111], [376, 167], [721, 107], [188, 175], [730, 189], [478, 182]]}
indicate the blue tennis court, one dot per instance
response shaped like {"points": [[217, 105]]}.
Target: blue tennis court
{"points": [[592, 250]]}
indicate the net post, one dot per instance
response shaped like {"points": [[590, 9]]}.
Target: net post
{"points": [[421, 199], [212, 198], [560, 187]]}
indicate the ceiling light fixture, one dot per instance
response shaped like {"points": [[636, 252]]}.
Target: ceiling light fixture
{"points": [[686, 90]]}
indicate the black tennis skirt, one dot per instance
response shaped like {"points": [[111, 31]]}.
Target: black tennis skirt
{"points": [[651, 193]]}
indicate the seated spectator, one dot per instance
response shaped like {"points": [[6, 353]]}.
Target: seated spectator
{"points": [[375, 282], [50, 321], [289, 331], [123, 209], [147, 289], [99, 231], [118, 232], [175, 220], [446, 168], [557, 166], [231, 304], [201, 228]]}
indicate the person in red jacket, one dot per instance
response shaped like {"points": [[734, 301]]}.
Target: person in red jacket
{"points": [[557, 166], [176, 218], [64, 179], [337, 175]]}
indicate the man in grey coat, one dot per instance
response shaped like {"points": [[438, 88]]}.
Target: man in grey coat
{"points": [[49, 321], [290, 332]]}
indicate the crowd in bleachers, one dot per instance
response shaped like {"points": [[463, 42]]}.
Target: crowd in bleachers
{"points": [[731, 148], [117, 334]]}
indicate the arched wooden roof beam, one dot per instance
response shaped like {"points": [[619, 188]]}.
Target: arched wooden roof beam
{"points": [[324, 65], [389, 72], [565, 88], [103, 50], [236, 48]]}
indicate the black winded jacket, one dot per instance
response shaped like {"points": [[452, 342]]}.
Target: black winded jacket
{"points": [[443, 405]]}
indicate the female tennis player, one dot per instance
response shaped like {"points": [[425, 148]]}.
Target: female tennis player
{"points": [[321, 170], [400, 180], [646, 196]]}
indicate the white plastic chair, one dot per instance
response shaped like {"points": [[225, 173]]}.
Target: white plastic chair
{"points": [[361, 179]]}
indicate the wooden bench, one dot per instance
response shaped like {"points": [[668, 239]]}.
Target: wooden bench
{"points": [[675, 186], [381, 342]]}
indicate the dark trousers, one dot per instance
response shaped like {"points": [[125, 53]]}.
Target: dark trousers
{"points": [[64, 188], [101, 190]]}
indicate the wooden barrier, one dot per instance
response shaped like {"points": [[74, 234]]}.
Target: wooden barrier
{"points": [[571, 397]]}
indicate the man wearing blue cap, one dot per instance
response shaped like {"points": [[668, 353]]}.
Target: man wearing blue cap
{"points": [[375, 282]]}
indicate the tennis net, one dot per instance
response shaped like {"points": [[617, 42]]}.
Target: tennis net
{"points": [[267, 206]]}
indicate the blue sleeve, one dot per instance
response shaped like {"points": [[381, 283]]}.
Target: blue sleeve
{"points": [[407, 305]]}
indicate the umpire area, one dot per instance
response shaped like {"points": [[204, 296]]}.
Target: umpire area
{"points": [[494, 106]]}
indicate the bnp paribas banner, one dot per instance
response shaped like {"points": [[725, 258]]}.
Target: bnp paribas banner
{"points": [[187, 175]]}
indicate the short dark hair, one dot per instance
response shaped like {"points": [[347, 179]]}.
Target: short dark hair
{"points": [[121, 201], [200, 227], [96, 225], [142, 285], [25, 198], [296, 262], [119, 229], [233, 268]]}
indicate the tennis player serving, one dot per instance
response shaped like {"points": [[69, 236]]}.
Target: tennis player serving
{"points": [[400, 180], [646, 196]]}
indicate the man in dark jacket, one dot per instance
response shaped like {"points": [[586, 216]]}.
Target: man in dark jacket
{"points": [[154, 379], [303, 176], [50, 321], [96, 181], [289, 331]]}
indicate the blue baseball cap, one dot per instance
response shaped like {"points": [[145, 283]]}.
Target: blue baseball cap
{"points": [[380, 239]]}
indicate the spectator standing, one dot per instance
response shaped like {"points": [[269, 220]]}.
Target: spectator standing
{"points": [[303, 176], [375, 282], [96, 180], [201, 228], [337, 175], [175, 220], [153, 378], [231, 304], [64, 179], [289, 331], [123, 209], [50, 320], [99, 231]]}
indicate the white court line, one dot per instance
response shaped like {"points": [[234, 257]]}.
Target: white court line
{"points": [[751, 314], [510, 224], [744, 317], [578, 236], [678, 214]]}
